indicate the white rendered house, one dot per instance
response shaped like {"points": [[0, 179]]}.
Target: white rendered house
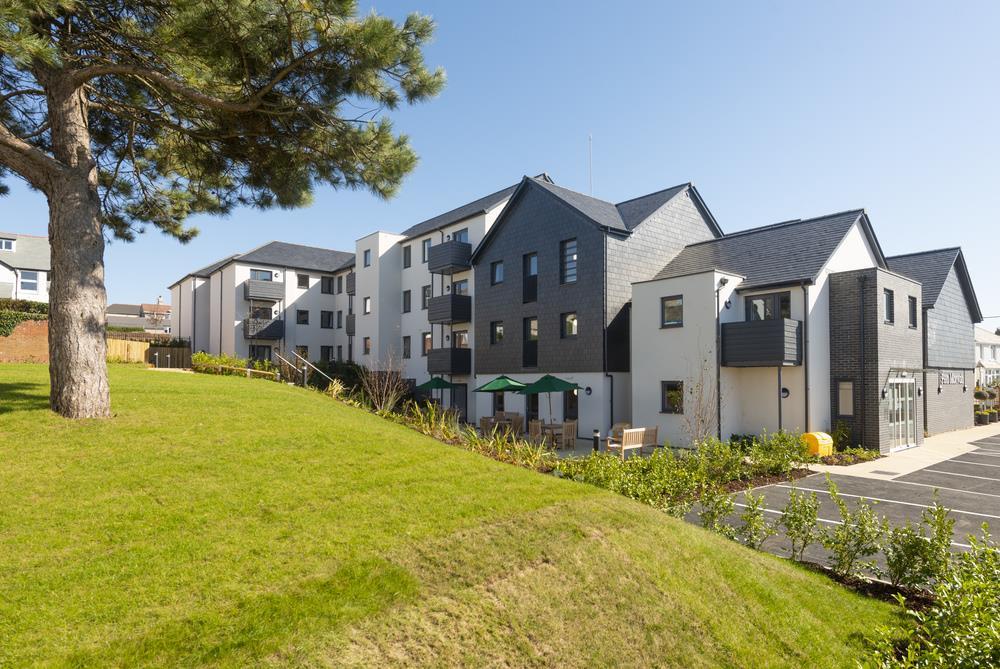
{"points": [[24, 267]]}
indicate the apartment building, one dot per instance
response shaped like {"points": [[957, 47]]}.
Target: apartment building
{"points": [[987, 357], [948, 313], [24, 267]]}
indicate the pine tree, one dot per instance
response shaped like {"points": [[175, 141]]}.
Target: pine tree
{"points": [[128, 114]]}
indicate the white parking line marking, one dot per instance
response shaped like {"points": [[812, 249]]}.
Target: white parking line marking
{"points": [[982, 451], [890, 501], [837, 522], [938, 487], [968, 476], [966, 462]]}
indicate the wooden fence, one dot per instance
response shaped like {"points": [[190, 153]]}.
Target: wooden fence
{"points": [[123, 350]]}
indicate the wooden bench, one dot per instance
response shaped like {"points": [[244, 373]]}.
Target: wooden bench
{"points": [[631, 439]]}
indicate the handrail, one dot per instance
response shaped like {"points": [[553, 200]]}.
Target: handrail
{"points": [[315, 368], [290, 364]]}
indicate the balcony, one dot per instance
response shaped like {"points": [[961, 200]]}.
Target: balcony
{"points": [[263, 328], [449, 361], [351, 283], [449, 257], [773, 343], [254, 289], [352, 324], [450, 308]]}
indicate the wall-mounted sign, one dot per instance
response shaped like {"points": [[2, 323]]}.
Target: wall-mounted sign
{"points": [[951, 378]]}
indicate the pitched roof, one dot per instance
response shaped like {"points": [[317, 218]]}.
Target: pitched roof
{"points": [[30, 252], [984, 336], [123, 309], [931, 269], [480, 206], [160, 308], [774, 254], [282, 254]]}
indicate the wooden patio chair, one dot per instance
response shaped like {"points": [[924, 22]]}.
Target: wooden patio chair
{"points": [[568, 438], [486, 425], [516, 424], [616, 431], [651, 438], [535, 431], [632, 439]]}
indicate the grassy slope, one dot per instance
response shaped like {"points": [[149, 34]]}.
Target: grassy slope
{"points": [[230, 522]]}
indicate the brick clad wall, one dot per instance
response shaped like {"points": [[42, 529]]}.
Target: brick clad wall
{"points": [[887, 350], [29, 342]]}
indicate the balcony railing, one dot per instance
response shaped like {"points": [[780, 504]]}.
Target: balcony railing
{"points": [[351, 281], [254, 289], [263, 328], [351, 325], [449, 257], [772, 343], [450, 308], [449, 361]]}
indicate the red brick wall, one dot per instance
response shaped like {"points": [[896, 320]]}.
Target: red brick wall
{"points": [[29, 342]]}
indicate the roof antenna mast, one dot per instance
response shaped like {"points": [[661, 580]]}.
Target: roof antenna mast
{"points": [[590, 158]]}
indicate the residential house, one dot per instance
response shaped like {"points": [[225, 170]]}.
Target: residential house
{"points": [[795, 326], [948, 312], [987, 357], [24, 267], [152, 318]]}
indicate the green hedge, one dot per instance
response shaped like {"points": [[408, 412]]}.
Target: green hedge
{"points": [[23, 306], [11, 319]]}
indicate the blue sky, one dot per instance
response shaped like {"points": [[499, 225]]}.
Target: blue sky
{"points": [[774, 110]]}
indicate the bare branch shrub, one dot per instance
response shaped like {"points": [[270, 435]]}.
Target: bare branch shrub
{"points": [[382, 383]]}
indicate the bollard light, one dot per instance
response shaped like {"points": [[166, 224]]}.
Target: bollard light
{"points": [[597, 440]]}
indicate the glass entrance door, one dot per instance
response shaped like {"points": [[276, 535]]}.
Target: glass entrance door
{"points": [[902, 414]]}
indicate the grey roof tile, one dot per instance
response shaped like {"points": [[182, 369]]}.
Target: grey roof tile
{"points": [[774, 254], [124, 309], [297, 256], [30, 252], [930, 268], [637, 210]]}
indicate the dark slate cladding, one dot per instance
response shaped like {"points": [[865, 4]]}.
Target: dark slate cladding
{"points": [[775, 254], [611, 255], [449, 257], [449, 361], [769, 343], [297, 256], [449, 308], [267, 290]]}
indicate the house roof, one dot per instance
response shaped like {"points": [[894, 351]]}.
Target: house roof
{"points": [[123, 309], [984, 336], [777, 254], [30, 252], [621, 218], [282, 254], [155, 308], [931, 269], [480, 206]]}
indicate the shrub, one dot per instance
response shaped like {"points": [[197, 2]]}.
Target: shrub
{"points": [[742, 441], [754, 529], [858, 536], [841, 437], [719, 461], [433, 420], [24, 306], [960, 628], [716, 506], [850, 456], [777, 454], [227, 365], [905, 549], [11, 319], [800, 518], [505, 447]]}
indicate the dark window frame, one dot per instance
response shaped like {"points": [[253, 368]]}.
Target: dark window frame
{"points": [[664, 324], [340, 318], [406, 301], [913, 311], [774, 298], [495, 328], [665, 408], [426, 343], [455, 337], [406, 347], [366, 258], [426, 292], [366, 306], [529, 287], [407, 256], [340, 284], [840, 408], [298, 317], [255, 274], [326, 285], [529, 347], [563, 334], [298, 281], [888, 306], [366, 346], [425, 248], [567, 266], [494, 266], [326, 320]]}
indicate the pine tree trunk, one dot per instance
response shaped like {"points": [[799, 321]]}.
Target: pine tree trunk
{"points": [[78, 370]]}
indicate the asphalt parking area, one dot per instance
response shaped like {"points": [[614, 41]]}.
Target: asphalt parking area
{"points": [[968, 485]]}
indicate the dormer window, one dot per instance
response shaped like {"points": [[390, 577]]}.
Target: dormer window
{"points": [[6, 244]]}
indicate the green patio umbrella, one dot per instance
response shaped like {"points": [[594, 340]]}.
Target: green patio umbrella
{"points": [[435, 383], [548, 384], [501, 384]]}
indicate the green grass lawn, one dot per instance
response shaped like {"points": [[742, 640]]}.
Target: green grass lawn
{"points": [[229, 522]]}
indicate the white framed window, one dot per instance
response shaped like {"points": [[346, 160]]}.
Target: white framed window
{"points": [[367, 304], [29, 281], [845, 398], [6, 244]]}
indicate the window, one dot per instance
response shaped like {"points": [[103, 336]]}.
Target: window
{"points": [[460, 287], [496, 332], [672, 311], [406, 348], [366, 346], [406, 301], [366, 306], [326, 353], [340, 353], [303, 280], [261, 275], [340, 318], [889, 306], [29, 281], [303, 351], [260, 311], [496, 272], [567, 327], [672, 397], [461, 235], [530, 267], [258, 352], [301, 317], [567, 261], [913, 311], [460, 339], [340, 284], [326, 321], [425, 347], [425, 296], [769, 307], [845, 398], [6, 244], [350, 349], [529, 349], [326, 285], [425, 249], [406, 256], [368, 258]]}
